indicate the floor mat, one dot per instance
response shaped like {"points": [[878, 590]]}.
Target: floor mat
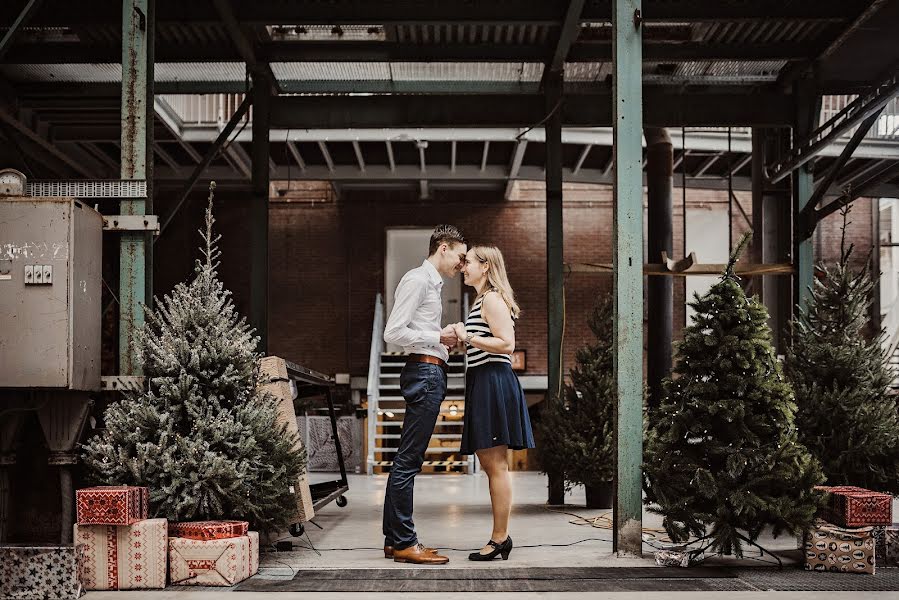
{"points": [[573, 579]]}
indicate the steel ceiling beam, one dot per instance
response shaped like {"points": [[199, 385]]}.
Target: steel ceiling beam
{"points": [[662, 108], [15, 30], [52, 53], [63, 13]]}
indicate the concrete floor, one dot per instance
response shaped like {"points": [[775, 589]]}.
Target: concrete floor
{"points": [[452, 512]]}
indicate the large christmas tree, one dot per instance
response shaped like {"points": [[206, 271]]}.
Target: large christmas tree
{"points": [[847, 416], [578, 433], [201, 436], [722, 455]]}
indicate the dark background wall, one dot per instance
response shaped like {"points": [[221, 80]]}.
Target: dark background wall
{"points": [[327, 258]]}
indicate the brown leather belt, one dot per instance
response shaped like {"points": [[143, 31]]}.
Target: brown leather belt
{"points": [[427, 358]]}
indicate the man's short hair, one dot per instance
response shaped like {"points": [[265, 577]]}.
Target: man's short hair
{"points": [[444, 234]]}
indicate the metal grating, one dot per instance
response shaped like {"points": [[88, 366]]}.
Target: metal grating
{"points": [[795, 579], [87, 188]]}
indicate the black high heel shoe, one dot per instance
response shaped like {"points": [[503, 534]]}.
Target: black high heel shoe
{"points": [[502, 549]]}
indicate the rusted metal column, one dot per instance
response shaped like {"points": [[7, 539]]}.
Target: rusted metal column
{"points": [[135, 263], [627, 259]]}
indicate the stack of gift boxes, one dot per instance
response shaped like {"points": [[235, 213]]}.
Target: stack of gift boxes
{"points": [[843, 538], [122, 549]]}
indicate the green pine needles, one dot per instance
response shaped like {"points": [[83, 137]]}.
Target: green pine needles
{"points": [[847, 416], [578, 433], [722, 458], [201, 436]]}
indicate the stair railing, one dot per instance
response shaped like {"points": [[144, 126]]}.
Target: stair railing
{"points": [[374, 370]]}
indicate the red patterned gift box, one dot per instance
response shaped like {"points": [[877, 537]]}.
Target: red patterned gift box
{"points": [[208, 530], [112, 505], [852, 506], [124, 557], [221, 562]]}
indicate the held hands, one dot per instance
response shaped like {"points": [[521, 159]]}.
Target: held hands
{"points": [[448, 336]]}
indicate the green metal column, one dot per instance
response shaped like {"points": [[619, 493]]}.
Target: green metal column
{"points": [[554, 257], [808, 110], [627, 78], [259, 154], [135, 271]]}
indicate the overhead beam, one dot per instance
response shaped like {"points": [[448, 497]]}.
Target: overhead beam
{"points": [[305, 51], [514, 167], [662, 108], [241, 42], [865, 188], [295, 152], [581, 158], [60, 13], [15, 30], [390, 158], [568, 33], [706, 164], [810, 209], [849, 117], [207, 159], [323, 146], [359, 158]]}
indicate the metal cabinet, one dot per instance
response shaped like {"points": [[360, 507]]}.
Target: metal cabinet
{"points": [[50, 289]]}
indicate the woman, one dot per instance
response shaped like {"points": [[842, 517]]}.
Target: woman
{"points": [[496, 413]]}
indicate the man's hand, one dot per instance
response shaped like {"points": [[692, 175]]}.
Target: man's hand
{"points": [[448, 336]]}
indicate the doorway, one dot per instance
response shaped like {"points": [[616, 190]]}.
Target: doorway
{"points": [[407, 247]]}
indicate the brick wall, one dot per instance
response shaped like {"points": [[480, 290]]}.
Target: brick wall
{"points": [[327, 258]]}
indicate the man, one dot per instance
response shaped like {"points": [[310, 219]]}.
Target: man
{"points": [[414, 324]]}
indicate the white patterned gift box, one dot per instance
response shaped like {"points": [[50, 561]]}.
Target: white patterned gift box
{"points": [[124, 557], [221, 562], [28, 571]]}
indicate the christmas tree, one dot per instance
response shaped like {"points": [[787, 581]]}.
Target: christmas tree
{"points": [[201, 436], [722, 454], [847, 416], [578, 433]]}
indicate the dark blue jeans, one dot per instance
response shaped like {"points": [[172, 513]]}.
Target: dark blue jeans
{"points": [[424, 387]]}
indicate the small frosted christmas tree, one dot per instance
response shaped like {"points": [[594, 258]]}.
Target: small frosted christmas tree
{"points": [[201, 437], [847, 416], [578, 433], [722, 454]]}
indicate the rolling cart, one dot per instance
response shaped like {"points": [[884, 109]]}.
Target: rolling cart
{"points": [[312, 383]]}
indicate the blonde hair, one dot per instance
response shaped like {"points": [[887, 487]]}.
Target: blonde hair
{"points": [[496, 275]]}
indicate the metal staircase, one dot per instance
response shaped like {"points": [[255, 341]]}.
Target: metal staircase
{"points": [[386, 409]]}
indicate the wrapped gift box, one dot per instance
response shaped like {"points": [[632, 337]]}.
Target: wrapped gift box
{"points": [[273, 379], [832, 548], [124, 557], [891, 544], [221, 562], [209, 530], [112, 505], [851, 506], [28, 571]]}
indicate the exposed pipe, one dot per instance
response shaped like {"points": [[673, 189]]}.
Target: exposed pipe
{"points": [[659, 290]]}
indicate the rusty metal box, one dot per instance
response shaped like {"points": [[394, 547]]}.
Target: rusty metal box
{"points": [[50, 285]]}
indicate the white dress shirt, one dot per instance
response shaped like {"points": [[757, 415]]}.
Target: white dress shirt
{"points": [[414, 322]]}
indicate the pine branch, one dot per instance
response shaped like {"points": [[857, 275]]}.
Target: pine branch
{"points": [[735, 255]]}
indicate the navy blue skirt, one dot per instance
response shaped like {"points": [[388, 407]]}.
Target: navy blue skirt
{"points": [[496, 412]]}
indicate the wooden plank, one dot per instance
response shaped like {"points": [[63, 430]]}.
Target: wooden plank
{"points": [[273, 379]]}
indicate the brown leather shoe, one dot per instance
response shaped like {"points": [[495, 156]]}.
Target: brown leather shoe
{"points": [[418, 555], [388, 551]]}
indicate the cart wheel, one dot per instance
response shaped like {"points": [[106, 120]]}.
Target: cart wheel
{"points": [[296, 530], [341, 501]]}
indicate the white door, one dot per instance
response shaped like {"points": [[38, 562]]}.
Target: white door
{"points": [[406, 249]]}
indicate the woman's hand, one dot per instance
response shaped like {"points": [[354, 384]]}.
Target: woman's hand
{"points": [[459, 328]]}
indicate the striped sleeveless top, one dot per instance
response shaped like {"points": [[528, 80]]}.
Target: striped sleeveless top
{"points": [[475, 325]]}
